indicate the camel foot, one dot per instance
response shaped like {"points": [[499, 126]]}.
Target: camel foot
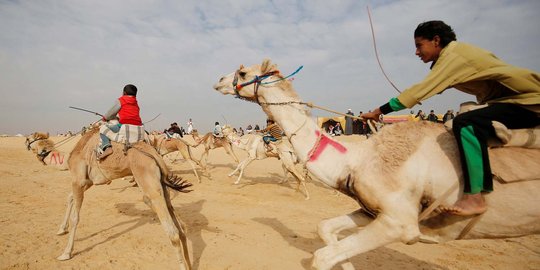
{"points": [[63, 257], [468, 205], [61, 232]]}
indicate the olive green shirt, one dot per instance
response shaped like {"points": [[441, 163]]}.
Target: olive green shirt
{"points": [[480, 73]]}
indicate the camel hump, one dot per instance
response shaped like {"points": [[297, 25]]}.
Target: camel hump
{"points": [[512, 164]]}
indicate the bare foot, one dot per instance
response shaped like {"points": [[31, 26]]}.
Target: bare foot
{"points": [[468, 205]]}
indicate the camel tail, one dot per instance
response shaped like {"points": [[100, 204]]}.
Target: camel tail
{"points": [[168, 179], [177, 183]]}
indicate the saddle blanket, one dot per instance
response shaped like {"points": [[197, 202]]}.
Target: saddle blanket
{"points": [[512, 164], [126, 134]]}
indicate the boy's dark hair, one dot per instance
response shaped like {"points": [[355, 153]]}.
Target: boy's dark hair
{"points": [[430, 29], [130, 90]]}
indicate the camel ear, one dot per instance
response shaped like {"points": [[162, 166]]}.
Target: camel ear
{"points": [[241, 67], [267, 66]]}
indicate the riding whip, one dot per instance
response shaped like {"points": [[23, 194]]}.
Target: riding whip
{"points": [[84, 110]]}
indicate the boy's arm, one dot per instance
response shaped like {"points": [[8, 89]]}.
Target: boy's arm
{"points": [[111, 113]]}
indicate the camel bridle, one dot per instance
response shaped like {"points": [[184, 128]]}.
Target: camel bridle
{"points": [[29, 143], [257, 81]]}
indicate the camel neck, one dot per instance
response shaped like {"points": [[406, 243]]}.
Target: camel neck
{"points": [[304, 134]]}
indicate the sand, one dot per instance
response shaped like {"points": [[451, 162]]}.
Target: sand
{"points": [[258, 224]]}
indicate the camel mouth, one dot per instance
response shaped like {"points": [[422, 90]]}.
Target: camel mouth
{"points": [[223, 89]]}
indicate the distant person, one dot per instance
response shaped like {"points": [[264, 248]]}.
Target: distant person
{"points": [[189, 126], [421, 115], [449, 115], [349, 123], [432, 117], [338, 130], [272, 133], [174, 129], [217, 131]]}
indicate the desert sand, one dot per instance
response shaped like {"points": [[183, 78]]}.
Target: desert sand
{"points": [[258, 224]]}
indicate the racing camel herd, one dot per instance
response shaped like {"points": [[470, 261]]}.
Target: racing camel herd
{"points": [[398, 176]]}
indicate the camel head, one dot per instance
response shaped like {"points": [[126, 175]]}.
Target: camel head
{"points": [[243, 82], [226, 130], [36, 136]]}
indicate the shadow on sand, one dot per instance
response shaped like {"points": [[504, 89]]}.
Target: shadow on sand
{"points": [[382, 258]]}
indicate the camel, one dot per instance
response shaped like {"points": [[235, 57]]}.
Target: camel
{"points": [[149, 171], [254, 146], [211, 142], [40, 144], [45, 150], [393, 176], [165, 146]]}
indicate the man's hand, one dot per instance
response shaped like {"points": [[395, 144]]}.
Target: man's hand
{"points": [[373, 115]]}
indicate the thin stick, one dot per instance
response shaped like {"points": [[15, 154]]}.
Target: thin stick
{"points": [[152, 119], [377, 53]]}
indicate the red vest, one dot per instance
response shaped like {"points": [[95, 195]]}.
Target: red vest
{"points": [[129, 111]]}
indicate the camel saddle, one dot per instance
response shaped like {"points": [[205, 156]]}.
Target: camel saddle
{"points": [[127, 134]]}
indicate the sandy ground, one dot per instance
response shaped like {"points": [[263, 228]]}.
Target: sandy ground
{"points": [[258, 224]]}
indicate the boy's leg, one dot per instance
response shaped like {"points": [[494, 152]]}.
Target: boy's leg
{"points": [[472, 130], [106, 147]]}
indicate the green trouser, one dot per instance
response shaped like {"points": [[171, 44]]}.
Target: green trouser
{"points": [[472, 130], [474, 161]]}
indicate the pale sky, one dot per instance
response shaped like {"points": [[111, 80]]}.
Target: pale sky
{"points": [[56, 54]]}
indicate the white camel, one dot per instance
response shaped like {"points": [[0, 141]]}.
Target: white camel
{"points": [[394, 176], [149, 171], [253, 144]]}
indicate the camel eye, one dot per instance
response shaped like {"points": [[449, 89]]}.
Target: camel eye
{"points": [[242, 74]]}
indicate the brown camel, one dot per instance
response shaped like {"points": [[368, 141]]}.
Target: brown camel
{"points": [[149, 171], [165, 146], [211, 142]]}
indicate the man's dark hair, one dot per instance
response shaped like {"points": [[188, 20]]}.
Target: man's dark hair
{"points": [[430, 29], [130, 90]]}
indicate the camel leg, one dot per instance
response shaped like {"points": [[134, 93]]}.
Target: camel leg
{"points": [[194, 170], [204, 157], [300, 181], [41, 159], [288, 164], [232, 154], [237, 167], [242, 167], [285, 174], [160, 201], [385, 229], [329, 229], [78, 189], [64, 226]]}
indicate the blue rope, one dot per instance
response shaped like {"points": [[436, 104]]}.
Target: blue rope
{"points": [[284, 77]]}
